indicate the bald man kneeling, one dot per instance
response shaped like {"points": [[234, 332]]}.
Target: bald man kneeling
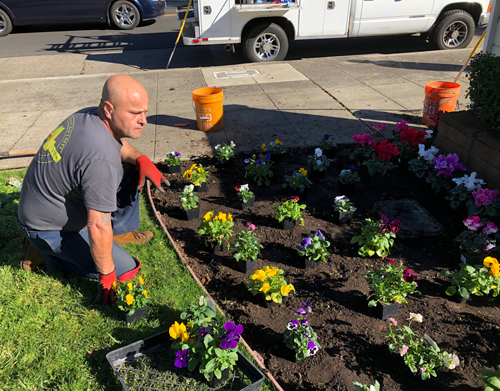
{"points": [[79, 201]]}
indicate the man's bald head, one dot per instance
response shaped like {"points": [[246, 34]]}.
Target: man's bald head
{"points": [[119, 88]]}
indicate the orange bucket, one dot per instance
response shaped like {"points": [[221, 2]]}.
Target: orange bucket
{"points": [[207, 104], [439, 96]]}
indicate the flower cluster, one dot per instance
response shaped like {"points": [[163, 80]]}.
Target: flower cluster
{"points": [[377, 237], [196, 174], [131, 296], [247, 244], [348, 176], [244, 193], [259, 169], [484, 197], [225, 151], [216, 228], [343, 204], [299, 335], [327, 143], [385, 150], [297, 181], [390, 283], [420, 354], [319, 161], [363, 139], [188, 198], [470, 182], [447, 165], [427, 154], [314, 247], [380, 162], [412, 136], [275, 147], [173, 158], [270, 281], [289, 208], [474, 240]]}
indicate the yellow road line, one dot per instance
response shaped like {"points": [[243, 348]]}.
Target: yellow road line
{"points": [[169, 14]]}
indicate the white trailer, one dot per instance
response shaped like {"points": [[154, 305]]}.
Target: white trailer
{"points": [[265, 28]]}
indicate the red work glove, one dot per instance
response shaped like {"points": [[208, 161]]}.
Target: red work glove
{"points": [[147, 170], [105, 291], [131, 273]]}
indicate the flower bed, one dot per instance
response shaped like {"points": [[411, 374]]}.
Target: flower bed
{"points": [[352, 343]]}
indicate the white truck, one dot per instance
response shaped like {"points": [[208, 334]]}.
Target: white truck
{"points": [[264, 28]]}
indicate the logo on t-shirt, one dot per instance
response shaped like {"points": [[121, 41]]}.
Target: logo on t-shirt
{"points": [[56, 141]]}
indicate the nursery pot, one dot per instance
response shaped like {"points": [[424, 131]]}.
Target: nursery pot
{"points": [[247, 205], [270, 304], [348, 188], [472, 259], [388, 310], [246, 266], [220, 247], [192, 214], [139, 313], [287, 224], [311, 264], [340, 217], [202, 188], [215, 383], [459, 299], [175, 169]]}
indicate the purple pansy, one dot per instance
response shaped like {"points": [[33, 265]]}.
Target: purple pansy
{"points": [[300, 311], [307, 306], [313, 349], [231, 338], [268, 156], [320, 234], [181, 358], [305, 242], [293, 325], [177, 154], [326, 137], [201, 334], [247, 161], [304, 322]]}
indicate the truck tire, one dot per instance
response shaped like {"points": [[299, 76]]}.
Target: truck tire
{"points": [[453, 30], [5, 24], [124, 15], [265, 42]]}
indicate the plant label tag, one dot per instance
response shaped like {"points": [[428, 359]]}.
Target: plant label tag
{"points": [[211, 304], [463, 259]]}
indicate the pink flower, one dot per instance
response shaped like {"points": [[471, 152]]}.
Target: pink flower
{"points": [[379, 127], [484, 196], [490, 229], [393, 321], [400, 126], [362, 138], [403, 350], [489, 246], [472, 223], [250, 225], [408, 276]]}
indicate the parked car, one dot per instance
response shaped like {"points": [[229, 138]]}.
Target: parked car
{"points": [[123, 14]]}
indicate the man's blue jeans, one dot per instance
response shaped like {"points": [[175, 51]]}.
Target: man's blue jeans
{"points": [[70, 251]]}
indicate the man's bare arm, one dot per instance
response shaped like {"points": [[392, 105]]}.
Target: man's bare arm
{"points": [[128, 153], [101, 240]]}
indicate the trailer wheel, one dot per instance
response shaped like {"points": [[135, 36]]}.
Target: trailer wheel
{"points": [[453, 30], [265, 42], [5, 23]]}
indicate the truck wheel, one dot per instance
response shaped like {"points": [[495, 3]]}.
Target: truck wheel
{"points": [[265, 42], [124, 15], [453, 30], [5, 24]]}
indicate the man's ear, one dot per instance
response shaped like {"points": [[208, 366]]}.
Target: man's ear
{"points": [[108, 108]]}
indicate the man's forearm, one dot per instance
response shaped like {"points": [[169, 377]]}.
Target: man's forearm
{"points": [[128, 153], [101, 242]]}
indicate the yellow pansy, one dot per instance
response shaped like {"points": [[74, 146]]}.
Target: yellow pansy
{"points": [[208, 216], [222, 217], [493, 287], [188, 174], [271, 272], [229, 217], [130, 286], [265, 287], [492, 264], [303, 171], [193, 166], [201, 170], [286, 289], [178, 330], [141, 280], [278, 142], [129, 298], [263, 147], [145, 292], [114, 285], [259, 275]]}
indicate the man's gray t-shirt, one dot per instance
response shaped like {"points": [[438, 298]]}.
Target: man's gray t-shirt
{"points": [[78, 166]]}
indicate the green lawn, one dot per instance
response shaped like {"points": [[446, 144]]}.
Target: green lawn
{"points": [[53, 336]]}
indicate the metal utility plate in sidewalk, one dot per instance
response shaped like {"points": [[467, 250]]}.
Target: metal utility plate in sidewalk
{"points": [[235, 74], [415, 220]]}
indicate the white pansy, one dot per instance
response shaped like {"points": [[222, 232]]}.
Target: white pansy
{"points": [[451, 361], [183, 199], [345, 172], [429, 133], [217, 146], [319, 162], [318, 152], [188, 188], [232, 144], [272, 144], [338, 198], [201, 301], [416, 317], [244, 187]]}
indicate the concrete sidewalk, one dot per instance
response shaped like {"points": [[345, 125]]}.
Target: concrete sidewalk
{"points": [[297, 102]]}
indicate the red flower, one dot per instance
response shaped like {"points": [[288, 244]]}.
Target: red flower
{"points": [[295, 198], [385, 150], [238, 188], [413, 136]]}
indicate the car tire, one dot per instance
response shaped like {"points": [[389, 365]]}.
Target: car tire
{"points": [[265, 42], [5, 24], [124, 15], [453, 30]]}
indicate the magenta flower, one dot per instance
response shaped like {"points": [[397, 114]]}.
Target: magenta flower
{"points": [[400, 126], [484, 196], [472, 223], [490, 228], [379, 127], [489, 246], [408, 276], [250, 225], [403, 350], [181, 358], [362, 139], [446, 165], [393, 321]]}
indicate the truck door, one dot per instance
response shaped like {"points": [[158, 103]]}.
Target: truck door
{"points": [[387, 17], [323, 17]]}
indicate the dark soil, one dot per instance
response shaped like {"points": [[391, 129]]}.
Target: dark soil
{"points": [[350, 333]]}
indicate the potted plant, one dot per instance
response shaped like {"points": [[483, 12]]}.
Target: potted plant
{"points": [[462, 192], [211, 349], [380, 162], [485, 203], [445, 167], [259, 169], [299, 335], [407, 142], [276, 149], [347, 180], [319, 162], [328, 146], [174, 162], [491, 379], [247, 248], [389, 286], [198, 176], [314, 249], [298, 181], [189, 202], [377, 237], [478, 280], [420, 354], [132, 299], [224, 152], [475, 243], [288, 212], [272, 284], [216, 229], [343, 209], [246, 197]]}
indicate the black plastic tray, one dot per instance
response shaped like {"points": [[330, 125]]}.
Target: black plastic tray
{"points": [[148, 364]]}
